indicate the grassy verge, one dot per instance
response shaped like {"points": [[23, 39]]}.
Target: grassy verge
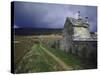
{"points": [[69, 59], [36, 60]]}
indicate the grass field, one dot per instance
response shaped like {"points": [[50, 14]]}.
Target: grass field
{"points": [[32, 56]]}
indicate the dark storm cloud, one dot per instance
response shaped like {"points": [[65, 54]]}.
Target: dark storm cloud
{"points": [[41, 15]]}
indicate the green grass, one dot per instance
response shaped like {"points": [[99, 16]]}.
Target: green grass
{"points": [[29, 57], [69, 59], [37, 60]]}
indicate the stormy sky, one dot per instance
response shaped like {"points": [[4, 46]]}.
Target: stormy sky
{"points": [[46, 15]]}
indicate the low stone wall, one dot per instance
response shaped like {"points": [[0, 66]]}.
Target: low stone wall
{"points": [[51, 43]]}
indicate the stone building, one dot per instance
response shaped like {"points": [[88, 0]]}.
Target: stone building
{"points": [[79, 40], [76, 38]]}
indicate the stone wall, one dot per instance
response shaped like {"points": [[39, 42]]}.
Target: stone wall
{"points": [[67, 32], [85, 50], [52, 43]]}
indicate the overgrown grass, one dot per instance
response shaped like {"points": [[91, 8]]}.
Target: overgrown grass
{"points": [[69, 59], [37, 60], [30, 57]]}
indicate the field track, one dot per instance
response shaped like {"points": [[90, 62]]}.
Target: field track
{"points": [[61, 63]]}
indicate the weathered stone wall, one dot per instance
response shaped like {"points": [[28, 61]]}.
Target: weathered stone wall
{"points": [[85, 50], [67, 32], [52, 43]]}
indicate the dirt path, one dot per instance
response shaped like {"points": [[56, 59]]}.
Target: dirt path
{"points": [[61, 63]]}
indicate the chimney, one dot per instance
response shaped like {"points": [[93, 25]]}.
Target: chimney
{"points": [[86, 19], [79, 15]]}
